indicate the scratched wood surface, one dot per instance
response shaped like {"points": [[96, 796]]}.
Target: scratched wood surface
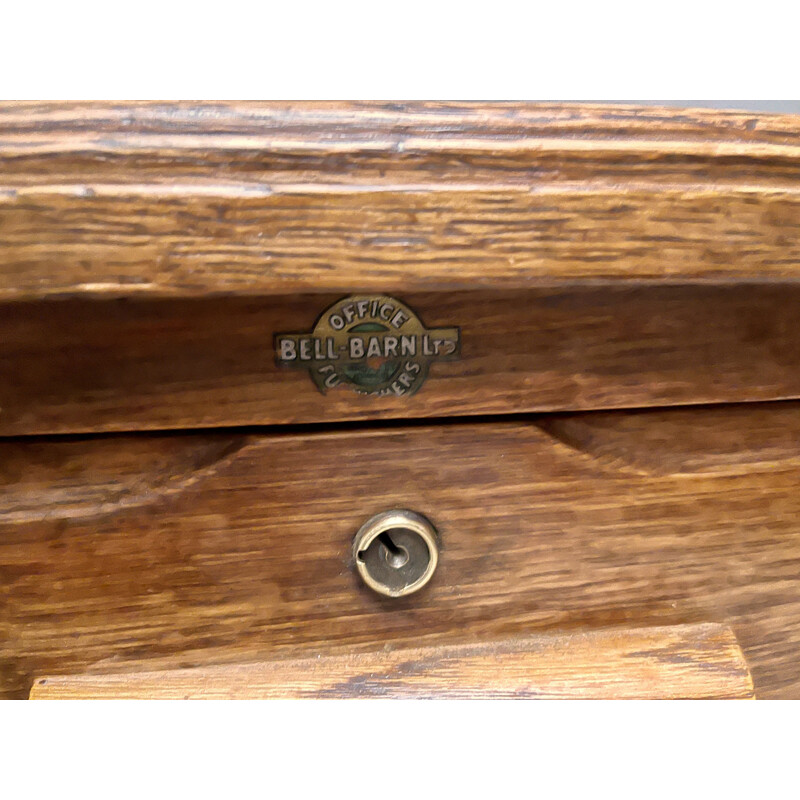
{"points": [[188, 199], [593, 256], [698, 662], [233, 547]]}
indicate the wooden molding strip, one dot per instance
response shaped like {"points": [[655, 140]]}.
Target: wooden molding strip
{"points": [[684, 661], [184, 200]]}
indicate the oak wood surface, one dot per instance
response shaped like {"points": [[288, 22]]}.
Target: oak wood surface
{"points": [[263, 199], [80, 366], [543, 529], [593, 256], [680, 662]]}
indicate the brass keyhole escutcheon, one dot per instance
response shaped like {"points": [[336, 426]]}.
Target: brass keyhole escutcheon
{"points": [[396, 552]]}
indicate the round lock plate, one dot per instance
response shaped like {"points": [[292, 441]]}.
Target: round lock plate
{"points": [[396, 552]]}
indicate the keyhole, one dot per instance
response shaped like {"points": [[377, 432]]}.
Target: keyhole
{"points": [[395, 555], [396, 552]]}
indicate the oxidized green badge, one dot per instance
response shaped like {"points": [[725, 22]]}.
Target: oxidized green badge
{"points": [[372, 343]]}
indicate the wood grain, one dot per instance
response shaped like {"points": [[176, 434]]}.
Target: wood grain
{"points": [[54, 478], [594, 256], [255, 199], [180, 241], [80, 366], [540, 533], [698, 662]]}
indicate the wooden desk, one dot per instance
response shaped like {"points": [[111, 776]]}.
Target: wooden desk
{"points": [[565, 335]]}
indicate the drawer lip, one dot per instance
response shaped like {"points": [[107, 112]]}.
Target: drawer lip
{"points": [[92, 475], [700, 661]]}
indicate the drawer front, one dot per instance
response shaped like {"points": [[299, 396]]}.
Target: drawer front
{"points": [[123, 553]]}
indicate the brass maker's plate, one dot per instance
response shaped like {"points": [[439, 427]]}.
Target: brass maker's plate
{"points": [[372, 344]]}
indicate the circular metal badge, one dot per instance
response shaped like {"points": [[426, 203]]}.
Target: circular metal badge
{"points": [[373, 344], [396, 552]]}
